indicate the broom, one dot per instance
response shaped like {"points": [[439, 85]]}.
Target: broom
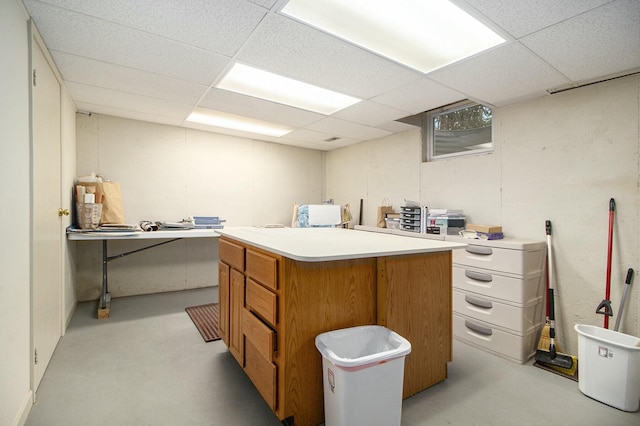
{"points": [[545, 338], [548, 355]]}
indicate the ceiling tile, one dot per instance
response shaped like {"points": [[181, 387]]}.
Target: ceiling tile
{"points": [[126, 113], [268, 4], [224, 100], [522, 17], [109, 42], [220, 26], [95, 73], [370, 113], [419, 96], [347, 129], [83, 93], [395, 126], [500, 76], [319, 139], [601, 42], [286, 47]]}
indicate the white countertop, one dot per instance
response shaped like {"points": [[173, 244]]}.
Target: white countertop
{"points": [[141, 235], [324, 244]]}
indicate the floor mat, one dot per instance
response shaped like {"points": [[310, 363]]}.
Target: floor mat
{"points": [[205, 318]]}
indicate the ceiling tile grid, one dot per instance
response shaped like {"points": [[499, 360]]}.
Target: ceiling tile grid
{"points": [[286, 47], [80, 69], [503, 75], [220, 26], [223, 100], [601, 42], [158, 60], [127, 101], [105, 41], [523, 17]]}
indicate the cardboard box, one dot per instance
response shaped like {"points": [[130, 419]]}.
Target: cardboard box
{"points": [[485, 229]]}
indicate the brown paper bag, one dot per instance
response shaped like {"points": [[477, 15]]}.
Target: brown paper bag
{"points": [[108, 193], [382, 213]]}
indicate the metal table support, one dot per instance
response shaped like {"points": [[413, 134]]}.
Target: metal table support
{"points": [[105, 296], [169, 236]]}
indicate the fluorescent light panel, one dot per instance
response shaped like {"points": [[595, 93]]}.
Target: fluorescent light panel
{"points": [[421, 34], [276, 88], [237, 122]]}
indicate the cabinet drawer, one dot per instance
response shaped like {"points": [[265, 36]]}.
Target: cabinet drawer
{"points": [[500, 259], [232, 254], [262, 373], [518, 319], [262, 268], [261, 301], [512, 346], [261, 336], [517, 290]]}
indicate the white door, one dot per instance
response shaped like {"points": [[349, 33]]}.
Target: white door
{"points": [[46, 235]]}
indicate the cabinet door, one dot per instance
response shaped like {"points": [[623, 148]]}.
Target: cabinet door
{"points": [[223, 301], [236, 297]]}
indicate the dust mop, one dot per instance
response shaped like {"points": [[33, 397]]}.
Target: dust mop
{"points": [[552, 359]]}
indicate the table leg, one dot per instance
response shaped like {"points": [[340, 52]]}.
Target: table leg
{"points": [[105, 299]]}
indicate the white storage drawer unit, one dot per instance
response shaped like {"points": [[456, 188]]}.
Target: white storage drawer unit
{"points": [[498, 295]]}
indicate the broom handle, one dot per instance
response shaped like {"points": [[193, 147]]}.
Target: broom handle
{"points": [[607, 293], [550, 296]]}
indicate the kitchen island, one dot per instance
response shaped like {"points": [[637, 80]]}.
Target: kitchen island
{"points": [[281, 287]]}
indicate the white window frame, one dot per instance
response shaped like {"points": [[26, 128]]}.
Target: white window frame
{"points": [[428, 148]]}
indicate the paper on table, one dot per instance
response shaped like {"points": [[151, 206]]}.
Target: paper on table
{"points": [[324, 214]]}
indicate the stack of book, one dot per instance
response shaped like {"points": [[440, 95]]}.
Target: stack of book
{"points": [[208, 222]]}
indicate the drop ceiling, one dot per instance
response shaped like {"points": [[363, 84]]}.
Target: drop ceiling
{"points": [[158, 60]]}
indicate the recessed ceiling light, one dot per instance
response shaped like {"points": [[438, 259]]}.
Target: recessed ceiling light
{"points": [[276, 88], [421, 34], [237, 122]]}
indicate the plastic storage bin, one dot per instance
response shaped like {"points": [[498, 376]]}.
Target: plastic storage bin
{"points": [[609, 366], [363, 372]]}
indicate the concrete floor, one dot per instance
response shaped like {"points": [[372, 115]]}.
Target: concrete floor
{"points": [[148, 365]]}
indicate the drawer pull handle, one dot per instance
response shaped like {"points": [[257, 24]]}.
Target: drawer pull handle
{"points": [[484, 251], [479, 276], [476, 301], [478, 328]]}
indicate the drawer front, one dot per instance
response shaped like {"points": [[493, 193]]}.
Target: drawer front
{"points": [[496, 259], [486, 336], [262, 268], [262, 373], [232, 254], [261, 301], [261, 336], [517, 290], [518, 319]]}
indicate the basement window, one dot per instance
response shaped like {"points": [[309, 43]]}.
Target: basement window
{"points": [[457, 130]]}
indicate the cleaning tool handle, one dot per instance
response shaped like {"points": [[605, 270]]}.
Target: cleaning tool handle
{"points": [[624, 298], [547, 226], [607, 292]]}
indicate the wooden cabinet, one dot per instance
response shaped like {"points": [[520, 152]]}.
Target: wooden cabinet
{"points": [[224, 283], [231, 296], [287, 303]]}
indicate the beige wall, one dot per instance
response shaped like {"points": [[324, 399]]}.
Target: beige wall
{"points": [[15, 304], [168, 173], [560, 157]]}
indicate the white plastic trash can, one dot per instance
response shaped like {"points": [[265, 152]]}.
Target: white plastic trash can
{"points": [[363, 372], [609, 368]]}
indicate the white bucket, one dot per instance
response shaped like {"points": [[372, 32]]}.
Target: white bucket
{"points": [[609, 366]]}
